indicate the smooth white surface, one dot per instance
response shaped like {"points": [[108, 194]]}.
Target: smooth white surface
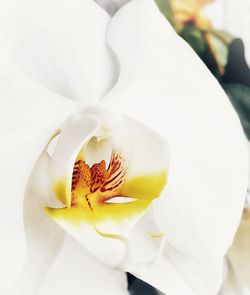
{"points": [[60, 44], [28, 118], [78, 272], [44, 238], [163, 84]]}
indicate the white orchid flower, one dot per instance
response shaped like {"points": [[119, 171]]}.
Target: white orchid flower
{"points": [[104, 177]]}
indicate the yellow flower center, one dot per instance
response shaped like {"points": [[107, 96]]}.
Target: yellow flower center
{"points": [[96, 184], [94, 190]]}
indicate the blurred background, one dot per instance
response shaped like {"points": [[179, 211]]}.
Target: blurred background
{"points": [[219, 32]]}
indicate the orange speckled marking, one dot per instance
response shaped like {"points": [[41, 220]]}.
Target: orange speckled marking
{"points": [[88, 180]]}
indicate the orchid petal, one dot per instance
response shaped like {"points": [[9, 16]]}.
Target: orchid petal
{"points": [[126, 160], [165, 85], [59, 44], [176, 273], [44, 237], [146, 243], [206, 152], [29, 117], [76, 271], [182, 273], [237, 261]]}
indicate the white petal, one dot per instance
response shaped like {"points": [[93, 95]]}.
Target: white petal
{"points": [[29, 117], [165, 85], [110, 250], [146, 243], [175, 273], [44, 237], [171, 271], [78, 272], [143, 148], [237, 261], [59, 44]]}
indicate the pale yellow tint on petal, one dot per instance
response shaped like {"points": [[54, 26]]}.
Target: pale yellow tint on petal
{"points": [[103, 212], [147, 187], [59, 189], [120, 212], [75, 216]]}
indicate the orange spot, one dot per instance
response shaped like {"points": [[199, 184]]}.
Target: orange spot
{"points": [[106, 182], [81, 175], [116, 173], [99, 175]]}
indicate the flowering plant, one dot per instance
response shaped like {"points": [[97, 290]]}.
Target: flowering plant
{"points": [[117, 143]]}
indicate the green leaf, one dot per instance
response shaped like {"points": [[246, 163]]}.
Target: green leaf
{"points": [[195, 38], [237, 70], [219, 50], [165, 8], [224, 36], [240, 98]]}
